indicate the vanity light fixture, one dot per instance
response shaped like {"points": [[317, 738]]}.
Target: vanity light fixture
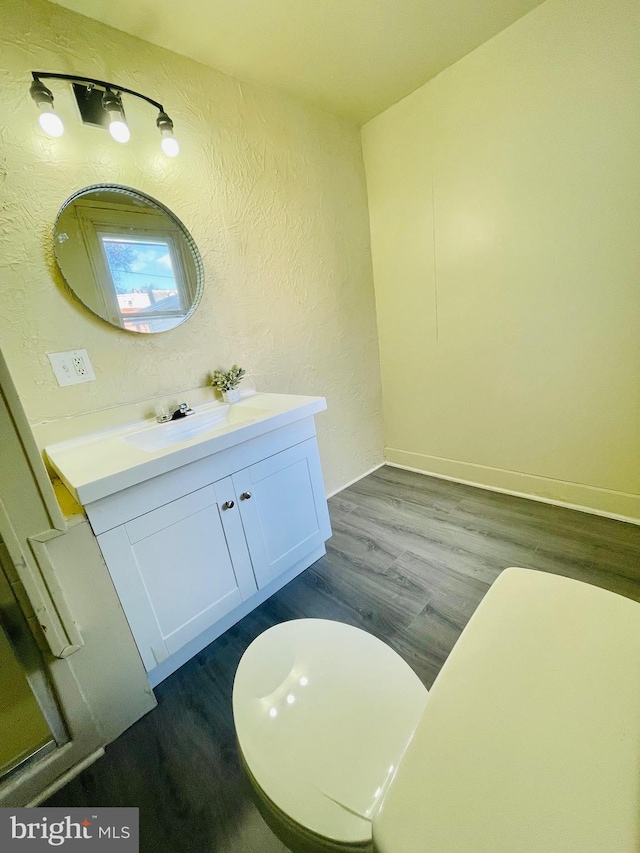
{"points": [[100, 105]]}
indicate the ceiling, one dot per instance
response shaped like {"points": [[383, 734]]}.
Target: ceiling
{"points": [[352, 57]]}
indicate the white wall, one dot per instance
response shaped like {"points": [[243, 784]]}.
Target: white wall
{"points": [[272, 190], [504, 200]]}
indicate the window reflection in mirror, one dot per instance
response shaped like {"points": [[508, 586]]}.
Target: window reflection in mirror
{"points": [[128, 259]]}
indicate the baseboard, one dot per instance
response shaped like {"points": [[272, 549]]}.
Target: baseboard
{"points": [[61, 781], [355, 480], [620, 506]]}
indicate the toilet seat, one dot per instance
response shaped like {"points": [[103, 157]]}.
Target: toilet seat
{"points": [[296, 837], [323, 712]]}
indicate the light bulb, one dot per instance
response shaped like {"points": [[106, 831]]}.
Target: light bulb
{"points": [[117, 125], [170, 145], [119, 130], [51, 123], [48, 120]]}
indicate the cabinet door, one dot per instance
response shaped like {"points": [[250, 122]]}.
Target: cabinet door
{"points": [[172, 570], [283, 509]]}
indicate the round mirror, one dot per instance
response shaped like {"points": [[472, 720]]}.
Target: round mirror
{"points": [[128, 258]]}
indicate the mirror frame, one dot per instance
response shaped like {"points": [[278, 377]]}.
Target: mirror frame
{"points": [[136, 194]]}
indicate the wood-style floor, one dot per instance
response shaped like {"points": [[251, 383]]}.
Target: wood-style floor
{"points": [[410, 559]]}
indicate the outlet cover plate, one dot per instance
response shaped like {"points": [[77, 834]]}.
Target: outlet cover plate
{"points": [[71, 367]]}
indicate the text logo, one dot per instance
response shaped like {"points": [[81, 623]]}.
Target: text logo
{"points": [[39, 829]]}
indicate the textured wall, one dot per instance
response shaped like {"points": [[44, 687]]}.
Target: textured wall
{"points": [[505, 212], [273, 192]]}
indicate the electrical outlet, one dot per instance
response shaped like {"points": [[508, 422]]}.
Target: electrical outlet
{"points": [[72, 367], [79, 366]]}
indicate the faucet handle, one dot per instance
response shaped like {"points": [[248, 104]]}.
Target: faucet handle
{"points": [[162, 413]]}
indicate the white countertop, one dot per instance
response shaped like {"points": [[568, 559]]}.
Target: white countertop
{"points": [[105, 462], [530, 741]]}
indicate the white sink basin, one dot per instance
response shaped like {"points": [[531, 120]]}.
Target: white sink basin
{"points": [[213, 421], [100, 463]]}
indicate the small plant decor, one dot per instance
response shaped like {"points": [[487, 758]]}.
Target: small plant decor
{"points": [[227, 381]]}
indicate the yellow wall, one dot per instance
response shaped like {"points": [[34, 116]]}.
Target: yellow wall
{"points": [[272, 190], [504, 200]]}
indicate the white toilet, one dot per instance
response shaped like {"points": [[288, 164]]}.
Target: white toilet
{"points": [[323, 713], [529, 740]]}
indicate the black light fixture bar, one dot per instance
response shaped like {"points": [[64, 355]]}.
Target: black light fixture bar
{"points": [[100, 105], [90, 81]]}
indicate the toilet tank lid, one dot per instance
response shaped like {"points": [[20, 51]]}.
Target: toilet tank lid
{"points": [[323, 712], [531, 737]]}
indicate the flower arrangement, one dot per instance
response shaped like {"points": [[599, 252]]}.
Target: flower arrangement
{"points": [[227, 380]]}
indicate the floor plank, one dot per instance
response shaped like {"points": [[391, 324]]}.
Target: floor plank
{"points": [[410, 560]]}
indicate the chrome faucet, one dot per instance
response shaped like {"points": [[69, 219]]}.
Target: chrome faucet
{"points": [[182, 411]]}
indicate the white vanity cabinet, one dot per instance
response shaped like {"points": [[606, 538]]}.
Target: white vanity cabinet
{"points": [[175, 572], [193, 550], [282, 505]]}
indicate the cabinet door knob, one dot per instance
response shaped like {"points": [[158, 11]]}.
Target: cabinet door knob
{"points": [[245, 496], [228, 505]]}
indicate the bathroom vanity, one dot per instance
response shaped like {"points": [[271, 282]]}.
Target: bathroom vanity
{"points": [[201, 519]]}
